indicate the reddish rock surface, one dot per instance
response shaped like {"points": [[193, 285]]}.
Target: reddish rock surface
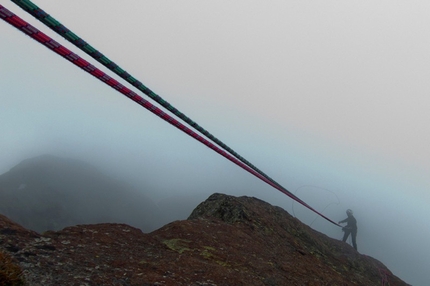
{"points": [[225, 241]]}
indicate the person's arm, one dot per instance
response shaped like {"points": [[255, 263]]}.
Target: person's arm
{"points": [[342, 221]]}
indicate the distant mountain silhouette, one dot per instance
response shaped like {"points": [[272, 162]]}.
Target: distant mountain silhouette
{"points": [[50, 193]]}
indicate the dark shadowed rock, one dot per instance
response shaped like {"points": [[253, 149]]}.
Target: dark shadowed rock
{"points": [[226, 241]]}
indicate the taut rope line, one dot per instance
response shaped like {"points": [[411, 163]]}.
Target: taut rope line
{"points": [[54, 46]]}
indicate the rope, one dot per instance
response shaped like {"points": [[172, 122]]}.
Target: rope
{"points": [[60, 29], [384, 279], [312, 186], [54, 46]]}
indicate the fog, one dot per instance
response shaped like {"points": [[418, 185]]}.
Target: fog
{"points": [[328, 98]]}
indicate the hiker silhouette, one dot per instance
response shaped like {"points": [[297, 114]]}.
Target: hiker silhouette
{"points": [[350, 228]]}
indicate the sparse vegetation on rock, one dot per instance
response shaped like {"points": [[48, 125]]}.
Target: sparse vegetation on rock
{"points": [[226, 241], [10, 273]]}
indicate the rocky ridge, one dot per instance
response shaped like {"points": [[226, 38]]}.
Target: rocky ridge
{"points": [[225, 241]]}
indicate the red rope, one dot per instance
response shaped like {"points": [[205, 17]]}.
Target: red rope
{"points": [[54, 46], [384, 279]]}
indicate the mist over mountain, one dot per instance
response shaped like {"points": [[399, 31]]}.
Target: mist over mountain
{"points": [[50, 193]]}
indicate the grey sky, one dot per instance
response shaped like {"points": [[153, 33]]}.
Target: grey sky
{"points": [[330, 94]]}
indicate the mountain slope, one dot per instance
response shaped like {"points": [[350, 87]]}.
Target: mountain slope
{"points": [[50, 193], [225, 241]]}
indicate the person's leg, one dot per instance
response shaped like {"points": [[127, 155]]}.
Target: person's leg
{"points": [[346, 234], [354, 237]]}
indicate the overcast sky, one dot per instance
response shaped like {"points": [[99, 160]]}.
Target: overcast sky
{"points": [[329, 98]]}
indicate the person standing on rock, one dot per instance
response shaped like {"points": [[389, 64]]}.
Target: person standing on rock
{"points": [[350, 228]]}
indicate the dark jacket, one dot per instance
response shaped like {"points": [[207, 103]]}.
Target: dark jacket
{"points": [[351, 222]]}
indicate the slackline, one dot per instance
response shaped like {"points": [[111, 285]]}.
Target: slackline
{"points": [[54, 46]]}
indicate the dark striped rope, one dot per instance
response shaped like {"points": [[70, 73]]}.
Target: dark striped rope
{"points": [[54, 46], [60, 29]]}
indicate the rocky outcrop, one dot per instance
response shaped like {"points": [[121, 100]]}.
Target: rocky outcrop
{"points": [[226, 241]]}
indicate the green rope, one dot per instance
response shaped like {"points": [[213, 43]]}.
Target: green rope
{"points": [[55, 25]]}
